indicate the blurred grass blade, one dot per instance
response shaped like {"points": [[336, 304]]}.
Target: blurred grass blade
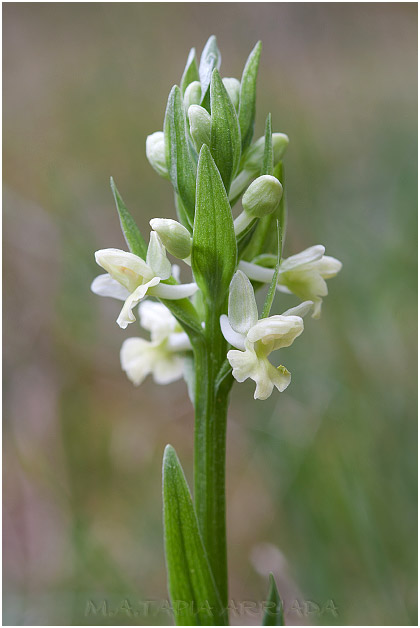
{"points": [[248, 96], [214, 248], [179, 159], [272, 289], [273, 615], [225, 139], [210, 59], [193, 593], [191, 71], [268, 160], [131, 232]]}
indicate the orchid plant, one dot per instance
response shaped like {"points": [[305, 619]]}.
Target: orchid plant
{"points": [[209, 331]]}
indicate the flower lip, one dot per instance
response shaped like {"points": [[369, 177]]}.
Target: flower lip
{"points": [[126, 315], [247, 364]]}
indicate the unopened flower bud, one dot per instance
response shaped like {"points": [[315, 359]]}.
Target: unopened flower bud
{"points": [[263, 196], [255, 153], [175, 238], [192, 94], [200, 125], [233, 88], [155, 153]]}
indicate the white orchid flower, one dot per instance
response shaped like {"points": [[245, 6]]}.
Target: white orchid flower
{"points": [[130, 278], [303, 274], [255, 339], [163, 354]]}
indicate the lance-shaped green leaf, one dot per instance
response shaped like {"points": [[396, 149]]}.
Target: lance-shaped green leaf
{"points": [[273, 615], [248, 96], [210, 59], [190, 72], [131, 232], [179, 159], [193, 593], [225, 138], [214, 248], [268, 159]]}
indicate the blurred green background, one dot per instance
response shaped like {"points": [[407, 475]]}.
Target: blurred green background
{"points": [[322, 478]]}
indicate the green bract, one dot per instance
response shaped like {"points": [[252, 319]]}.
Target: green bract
{"points": [[248, 96], [190, 72], [210, 59], [179, 153], [214, 242], [225, 140]]}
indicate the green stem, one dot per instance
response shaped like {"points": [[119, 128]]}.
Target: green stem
{"points": [[211, 403]]}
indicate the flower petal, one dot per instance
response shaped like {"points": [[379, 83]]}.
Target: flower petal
{"points": [[126, 315], [168, 368], [243, 313], [300, 310], [280, 377], [106, 286], [136, 357], [264, 385], [178, 341], [246, 364], [156, 257], [156, 318], [233, 338], [312, 254], [276, 331], [329, 266], [317, 308], [176, 272], [173, 292], [128, 269], [256, 272], [243, 363], [305, 284]]}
